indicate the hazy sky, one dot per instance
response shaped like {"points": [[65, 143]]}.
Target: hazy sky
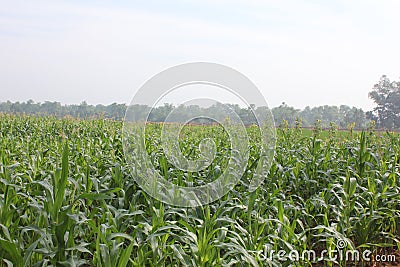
{"points": [[298, 52]]}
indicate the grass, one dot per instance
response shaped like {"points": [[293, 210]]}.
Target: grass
{"points": [[67, 198]]}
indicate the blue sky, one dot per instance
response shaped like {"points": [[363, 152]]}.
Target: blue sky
{"points": [[298, 52]]}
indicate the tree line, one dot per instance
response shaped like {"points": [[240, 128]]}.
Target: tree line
{"points": [[342, 116], [385, 94]]}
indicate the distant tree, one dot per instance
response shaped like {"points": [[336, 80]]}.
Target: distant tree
{"points": [[307, 117], [52, 108], [285, 113], [386, 95], [356, 116], [83, 110], [159, 114], [116, 111]]}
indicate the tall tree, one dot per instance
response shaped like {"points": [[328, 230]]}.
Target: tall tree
{"points": [[386, 95]]}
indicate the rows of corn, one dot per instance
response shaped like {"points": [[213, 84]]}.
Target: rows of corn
{"points": [[67, 199]]}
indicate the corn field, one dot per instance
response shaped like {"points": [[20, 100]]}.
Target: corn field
{"points": [[67, 198]]}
